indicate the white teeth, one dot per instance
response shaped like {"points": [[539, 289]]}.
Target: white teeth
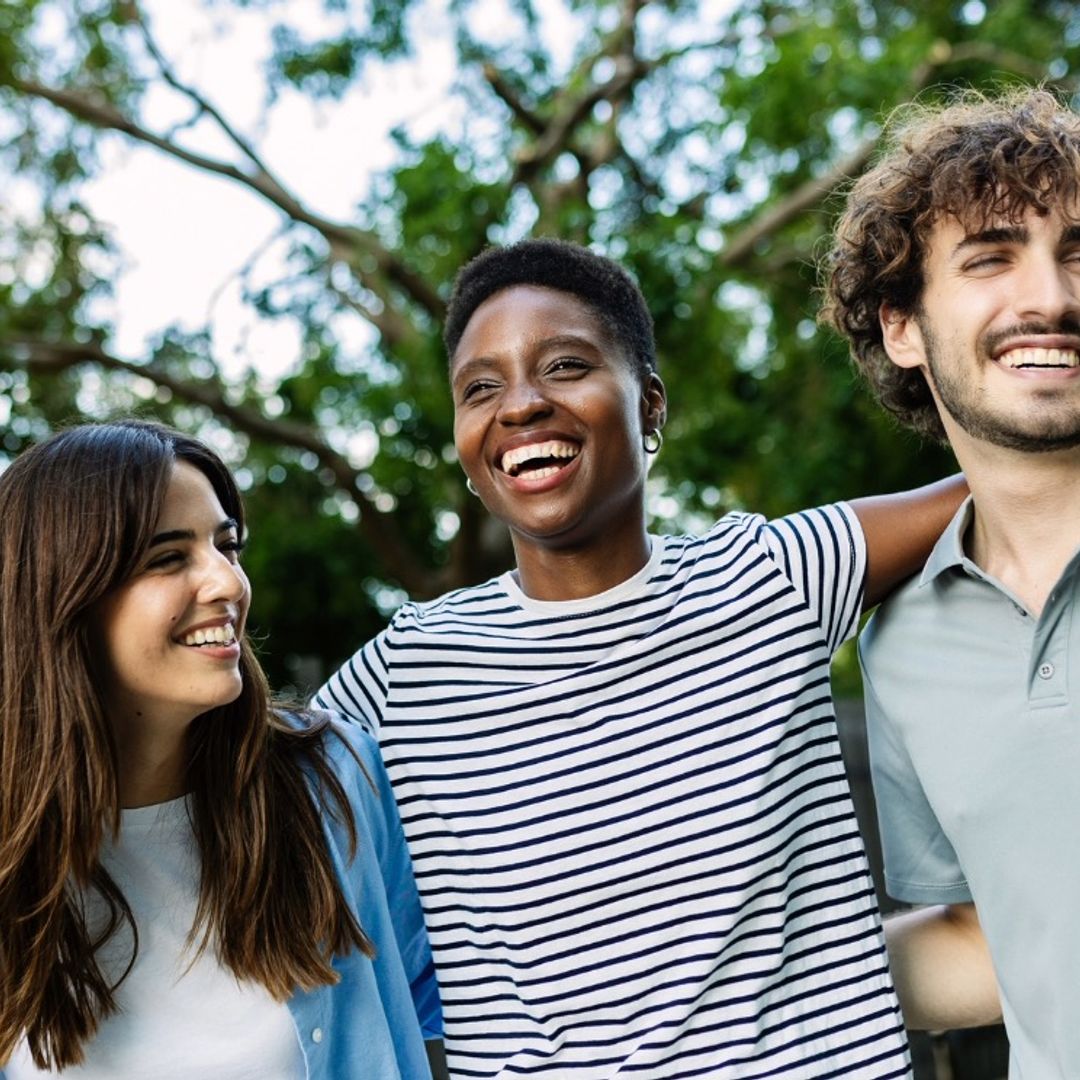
{"points": [[512, 460], [1030, 357], [211, 635]]}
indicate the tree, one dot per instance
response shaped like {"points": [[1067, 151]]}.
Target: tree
{"points": [[703, 147]]}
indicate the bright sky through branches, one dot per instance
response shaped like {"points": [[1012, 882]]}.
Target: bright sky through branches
{"points": [[186, 236], [190, 241]]}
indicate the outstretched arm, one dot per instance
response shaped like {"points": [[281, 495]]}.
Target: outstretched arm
{"points": [[901, 531], [941, 968]]}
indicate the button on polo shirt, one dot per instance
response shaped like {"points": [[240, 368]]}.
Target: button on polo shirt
{"points": [[975, 750]]}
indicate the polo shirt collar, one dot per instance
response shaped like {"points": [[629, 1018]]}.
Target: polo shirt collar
{"points": [[949, 550]]}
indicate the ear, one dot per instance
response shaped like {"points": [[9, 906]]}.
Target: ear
{"points": [[653, 403], [902, 337]]}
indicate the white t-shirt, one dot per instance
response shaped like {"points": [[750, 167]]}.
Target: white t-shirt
{"points": [[178, 1019], [629, 818]]}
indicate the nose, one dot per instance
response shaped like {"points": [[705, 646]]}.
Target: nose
{"points": [[521, 402], [222, 579], [1048, 291]]}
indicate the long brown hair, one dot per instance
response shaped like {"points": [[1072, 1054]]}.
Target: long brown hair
{"points": [[76, 514], [975, 159]]}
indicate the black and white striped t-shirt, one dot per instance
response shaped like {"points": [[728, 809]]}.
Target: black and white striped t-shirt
{"points": [[629, 819]]}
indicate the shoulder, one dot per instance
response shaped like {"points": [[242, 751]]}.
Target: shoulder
{"points": [[736, 528], [350, 753], [906, 621], [467, 603], [834, 524]]}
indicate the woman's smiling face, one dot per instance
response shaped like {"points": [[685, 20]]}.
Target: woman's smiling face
{"points": [[549, 416], [170, 633]]}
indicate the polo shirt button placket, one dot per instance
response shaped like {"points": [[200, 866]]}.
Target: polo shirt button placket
{"points": [[1046, 670]]}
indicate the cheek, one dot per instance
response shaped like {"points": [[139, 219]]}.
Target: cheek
{"points": [[467, 438], [245, 600]]}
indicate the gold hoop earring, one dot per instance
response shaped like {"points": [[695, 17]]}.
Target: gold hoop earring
{"points": [[652, 441]]}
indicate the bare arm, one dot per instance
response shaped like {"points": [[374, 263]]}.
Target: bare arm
{"points": [[941, 967], [901, 531]]}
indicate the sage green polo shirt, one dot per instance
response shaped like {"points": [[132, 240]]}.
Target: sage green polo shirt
{"points": [[974, 725]]}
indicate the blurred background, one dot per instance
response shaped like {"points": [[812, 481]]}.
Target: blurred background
{"points": [[243, 217]]}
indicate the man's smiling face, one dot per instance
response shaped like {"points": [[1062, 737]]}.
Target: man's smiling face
{"points": [[998, 331]]}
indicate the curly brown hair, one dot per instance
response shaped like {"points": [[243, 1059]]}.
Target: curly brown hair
{"points": [[976, 158]]}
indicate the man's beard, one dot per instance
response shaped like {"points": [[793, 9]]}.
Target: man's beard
{"points": [[1040, 432]]}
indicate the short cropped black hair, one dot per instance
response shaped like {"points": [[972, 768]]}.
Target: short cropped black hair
{"points": [[598, 282]]}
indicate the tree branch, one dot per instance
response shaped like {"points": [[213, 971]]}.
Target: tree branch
{"points": [[393, 327], [378, 529], [740, 247], [506, 93], [201, 102], [348, 243], [941, 54]]}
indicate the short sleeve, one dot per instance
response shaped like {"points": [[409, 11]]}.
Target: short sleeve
{"points": [[357, 690], [402, 898], [822, 552], [921, 866]]}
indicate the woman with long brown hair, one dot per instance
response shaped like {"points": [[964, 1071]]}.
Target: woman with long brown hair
{"points": [[193, 882]]}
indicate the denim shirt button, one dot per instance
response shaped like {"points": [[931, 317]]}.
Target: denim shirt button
{"points": [[316, 1035]]}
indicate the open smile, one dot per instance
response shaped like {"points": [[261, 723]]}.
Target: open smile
{"points": [[219, 636], [1041, 359], [539, 460], [1048, 353]]}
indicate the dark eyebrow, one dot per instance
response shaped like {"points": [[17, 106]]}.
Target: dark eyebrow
{"points": [[476, 363], [1014, 234], [559, 341], [188, 534]]}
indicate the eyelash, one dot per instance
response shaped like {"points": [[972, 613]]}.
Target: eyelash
{"points": [[571, 363], [984, 260], [230, 547], [564, 363], [475, 388], [995, 258]]}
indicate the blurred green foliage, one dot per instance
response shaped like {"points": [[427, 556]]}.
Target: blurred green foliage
{"points": [[702, 149]]}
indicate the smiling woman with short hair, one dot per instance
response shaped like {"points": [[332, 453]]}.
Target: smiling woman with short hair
{"points": [[617, 764]]}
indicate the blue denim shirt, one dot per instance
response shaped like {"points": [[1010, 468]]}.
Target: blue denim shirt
{"points": [[372, 1023]]}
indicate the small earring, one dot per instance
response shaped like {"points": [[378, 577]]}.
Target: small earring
{"points": [[652, 441], [471, 486]]}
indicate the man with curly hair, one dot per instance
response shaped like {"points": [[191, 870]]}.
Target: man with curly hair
{"points": [[955, 276]]}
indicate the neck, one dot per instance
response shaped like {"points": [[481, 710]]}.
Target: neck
{"points": [[1027, 517], [152, 770], [545, 573]]}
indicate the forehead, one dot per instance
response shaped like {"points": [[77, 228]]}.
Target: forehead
{"points": [[523, 315], [189, 492]]}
